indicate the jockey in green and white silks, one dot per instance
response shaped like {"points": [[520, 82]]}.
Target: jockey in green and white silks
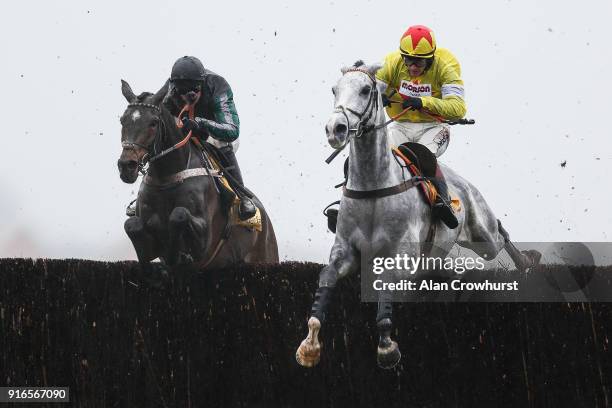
{"points": [[216, 118], [426, 80]]}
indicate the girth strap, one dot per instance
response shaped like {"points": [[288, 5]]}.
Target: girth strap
{"points": [[383, 192]]}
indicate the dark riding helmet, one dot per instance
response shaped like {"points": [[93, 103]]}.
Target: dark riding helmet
{"points": [[187, 68]]}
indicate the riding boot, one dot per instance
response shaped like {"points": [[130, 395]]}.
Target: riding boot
{"points": [[441, 208], [246, 208]]}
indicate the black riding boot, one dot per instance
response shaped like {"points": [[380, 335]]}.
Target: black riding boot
{"points": [[247, 208], [441, 207]]}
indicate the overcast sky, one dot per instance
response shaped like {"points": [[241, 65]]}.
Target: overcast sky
{"points": [[537, 79]]}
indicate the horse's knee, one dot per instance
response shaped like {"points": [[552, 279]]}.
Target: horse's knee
{"points": [[179, 217], [154, 223], [133, 226], [328, 276]]}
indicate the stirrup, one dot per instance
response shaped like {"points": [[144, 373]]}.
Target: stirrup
{"points": [[130, 210], [332, 216]]}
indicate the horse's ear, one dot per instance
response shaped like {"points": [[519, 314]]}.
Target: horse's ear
{"points": [[373, 69], [159, 95], [126, 90]]}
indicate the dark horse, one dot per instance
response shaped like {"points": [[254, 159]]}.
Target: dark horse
{"points": [[180, 216]]}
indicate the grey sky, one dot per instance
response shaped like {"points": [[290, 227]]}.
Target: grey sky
{"points": [[536, 76]]}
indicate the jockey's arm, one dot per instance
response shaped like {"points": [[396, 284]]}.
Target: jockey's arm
{"points": [[452, 104], [449, 107], [226, 126]]}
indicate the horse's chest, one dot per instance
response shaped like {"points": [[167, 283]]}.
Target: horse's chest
{"points": [[389, 220], [158, 205]]}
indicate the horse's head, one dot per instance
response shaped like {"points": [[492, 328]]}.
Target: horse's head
{"points": [[355, 104], [140, 124]]}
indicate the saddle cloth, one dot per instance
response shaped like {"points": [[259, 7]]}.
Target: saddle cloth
{"points": [[420, 162]]}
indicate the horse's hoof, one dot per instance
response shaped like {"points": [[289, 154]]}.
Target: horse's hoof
{"points": [[308, 356], [388, 357], [309, 352]]}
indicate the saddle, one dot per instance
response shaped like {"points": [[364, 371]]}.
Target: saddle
{"points": [[421, 162]]}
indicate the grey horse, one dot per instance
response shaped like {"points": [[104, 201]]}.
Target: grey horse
{"points": [[398, 220], [180, 215]]}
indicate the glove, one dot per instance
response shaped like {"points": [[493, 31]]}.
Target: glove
{"points": [[189, 124], [412, 103], [385, 101], [200, 131]]}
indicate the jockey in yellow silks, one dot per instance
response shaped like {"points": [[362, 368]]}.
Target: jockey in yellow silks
{"points": [[426, 80]]}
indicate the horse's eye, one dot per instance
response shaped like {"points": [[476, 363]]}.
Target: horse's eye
{"points": [[153, 122], [334, 90], [365, 90]]}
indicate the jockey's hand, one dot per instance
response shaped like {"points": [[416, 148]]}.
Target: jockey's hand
{"points": [[385, 100], [412, 103], [189, 124]]}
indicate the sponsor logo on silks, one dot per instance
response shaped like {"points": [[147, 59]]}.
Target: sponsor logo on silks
{"points": [[414, 90]]}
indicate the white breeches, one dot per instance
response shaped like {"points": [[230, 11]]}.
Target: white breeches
{"points": [[434, 135]]}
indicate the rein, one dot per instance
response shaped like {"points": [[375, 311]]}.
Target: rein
{"points": [[147, 158], [362, 127]]}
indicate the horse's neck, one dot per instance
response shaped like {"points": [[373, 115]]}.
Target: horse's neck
{"points": [[371, 162], [177, 160]]}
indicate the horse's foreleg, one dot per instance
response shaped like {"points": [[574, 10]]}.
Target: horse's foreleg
{"points": [[343, 260], [144, 244], [186, 235], [388, 354], [523, 260]]}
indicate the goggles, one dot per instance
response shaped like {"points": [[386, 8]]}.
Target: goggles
{"points": [[183, 88], [418, 62]]}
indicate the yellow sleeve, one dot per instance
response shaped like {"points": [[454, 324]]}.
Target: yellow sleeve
{"points": [[385, 73], [452, 104]]}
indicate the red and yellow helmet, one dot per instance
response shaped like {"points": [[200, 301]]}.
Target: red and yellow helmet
{"points": [[418, 41]]}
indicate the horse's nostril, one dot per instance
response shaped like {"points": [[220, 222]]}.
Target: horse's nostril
{"points": [[128, 164], [340, 129]]}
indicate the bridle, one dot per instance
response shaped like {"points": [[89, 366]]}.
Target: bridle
{"points": [[159, 135], [363, 125], [364, 117]]}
